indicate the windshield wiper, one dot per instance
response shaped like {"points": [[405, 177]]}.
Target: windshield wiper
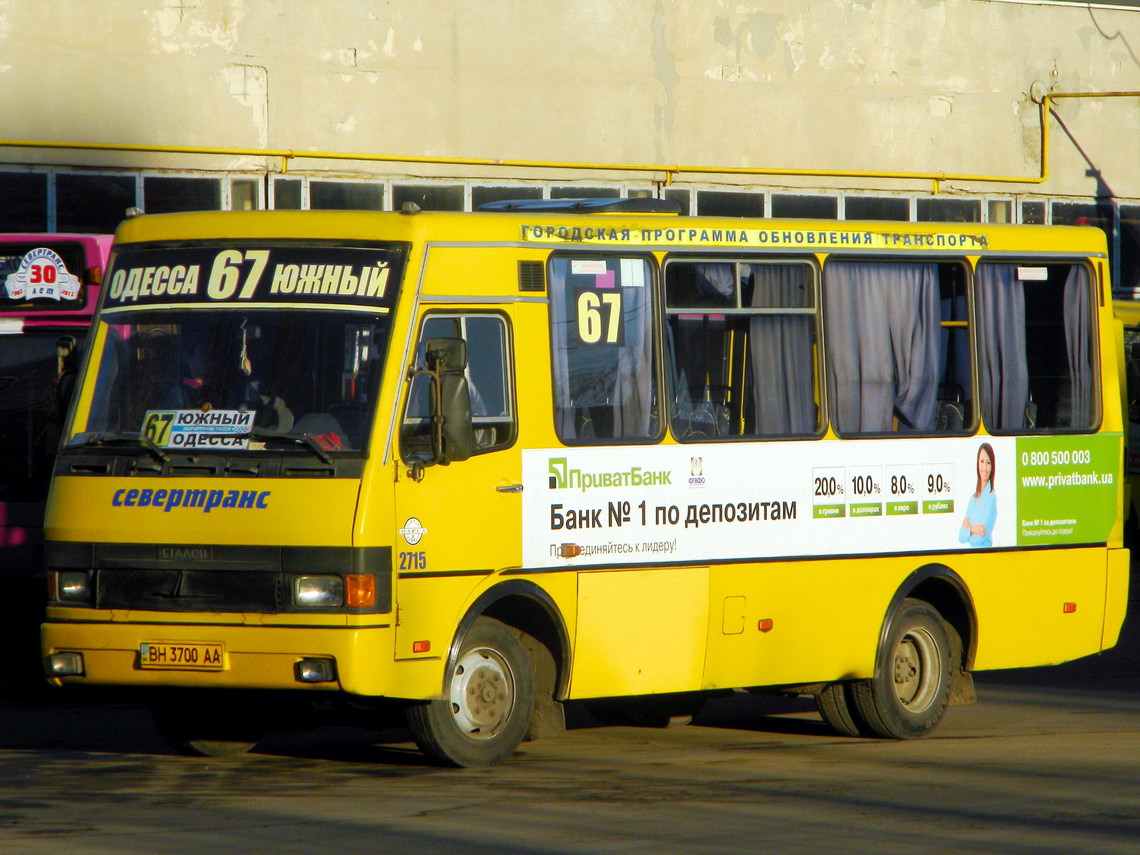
{"points": [[305, 439], [107, 437]]}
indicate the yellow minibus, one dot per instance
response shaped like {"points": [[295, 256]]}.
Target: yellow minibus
{"points": [[474, 465]]}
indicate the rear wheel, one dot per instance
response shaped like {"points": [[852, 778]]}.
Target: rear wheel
{"points": [[837, 708], [488, 700], [910, 691]]}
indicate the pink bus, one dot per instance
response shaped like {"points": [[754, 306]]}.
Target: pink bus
{"points": [[49, 285]]}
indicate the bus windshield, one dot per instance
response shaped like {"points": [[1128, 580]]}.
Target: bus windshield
{"points": [[223, 379], [29, 368]]}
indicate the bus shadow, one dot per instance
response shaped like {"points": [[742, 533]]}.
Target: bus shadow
{"points": [[36, 724], [759, 713], [741, 710], [51, 724]]}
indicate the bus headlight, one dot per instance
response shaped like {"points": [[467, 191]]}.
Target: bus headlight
{"points": [[316, 592], [72, 586]]}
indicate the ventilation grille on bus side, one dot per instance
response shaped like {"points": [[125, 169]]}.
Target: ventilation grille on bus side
{"points": [[530, 276]]}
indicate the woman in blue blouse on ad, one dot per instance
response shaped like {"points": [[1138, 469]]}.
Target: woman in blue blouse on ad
{"points": [[978, 524]]}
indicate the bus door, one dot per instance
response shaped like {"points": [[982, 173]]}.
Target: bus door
{"points": [[456, 523]]}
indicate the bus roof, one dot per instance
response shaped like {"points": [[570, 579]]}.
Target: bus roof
{"points": [[103, 242], [612, 230]]}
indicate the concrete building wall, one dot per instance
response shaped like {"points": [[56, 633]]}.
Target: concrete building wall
{"points": [[882, 86]]}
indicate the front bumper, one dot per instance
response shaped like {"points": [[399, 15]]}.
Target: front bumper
{"points": [[253, 657]]}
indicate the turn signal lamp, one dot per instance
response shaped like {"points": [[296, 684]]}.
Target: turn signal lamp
{"points": [[360, 591]]}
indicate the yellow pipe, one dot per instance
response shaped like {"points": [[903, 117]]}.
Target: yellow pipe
{"points": [[291, 154], [671, 172]]}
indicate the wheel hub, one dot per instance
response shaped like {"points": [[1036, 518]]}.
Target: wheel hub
{"points": [[917, 671], [906, 671], [482, 693]]}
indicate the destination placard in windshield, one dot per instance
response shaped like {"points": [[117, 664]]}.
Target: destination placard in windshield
{"points": [[296, 274], [36, 276]]}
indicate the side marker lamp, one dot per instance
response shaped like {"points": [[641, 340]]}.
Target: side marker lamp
{"points": [[1069, 608], [765, 625]]}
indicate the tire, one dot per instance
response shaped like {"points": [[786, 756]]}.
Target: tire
{"points": [[489, 696], [837, 708], [910, 691], [204, 732]]}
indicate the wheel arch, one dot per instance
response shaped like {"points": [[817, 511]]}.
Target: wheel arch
{"points": [[528, 608], [948, 593]]}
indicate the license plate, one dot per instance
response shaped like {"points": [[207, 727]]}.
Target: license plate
{"points": [[181, 655]]}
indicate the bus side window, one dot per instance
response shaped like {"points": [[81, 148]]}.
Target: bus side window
{"points": [[742, 349], [1132, 371], [956, 410], [603, 350], [1036, 334], [489, 378], [898, 347]]}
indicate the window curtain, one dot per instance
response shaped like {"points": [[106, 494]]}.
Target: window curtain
{"points": [[783, 384], [565, 423], [883, 334], [718, 279], [1078, 338], [634, 385], [1004, 369]]}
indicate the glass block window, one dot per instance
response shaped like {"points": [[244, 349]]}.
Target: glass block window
{"points": [[483, 195], [24, 208], [1033, 213], [585, 193], [430, 197], [93, 203], [287, 194], [165, 194], [949, 211], [722, 203], [811, 207], [876, 208], [681, 197], [345, 196]]}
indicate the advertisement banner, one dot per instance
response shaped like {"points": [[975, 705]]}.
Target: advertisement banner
{"points": [[742, 501]]}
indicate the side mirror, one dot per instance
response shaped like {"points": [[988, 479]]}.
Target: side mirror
{"points": [[446, 354], [66, 362], [452, 434]]}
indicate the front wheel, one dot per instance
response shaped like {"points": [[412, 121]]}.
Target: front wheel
{"points": [[910, 691], [487, 703]]}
